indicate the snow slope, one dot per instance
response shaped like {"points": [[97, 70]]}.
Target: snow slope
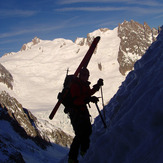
{"points": [[39, 72], [134, 116], [30, 152]]}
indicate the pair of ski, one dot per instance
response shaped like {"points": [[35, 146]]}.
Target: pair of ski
{"points": [[83, 64]]}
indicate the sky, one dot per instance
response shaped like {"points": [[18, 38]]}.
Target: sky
{"points": [[21, 21]]}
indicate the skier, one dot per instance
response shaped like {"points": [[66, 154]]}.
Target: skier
{"points": [[79, 114], [84, 63]]}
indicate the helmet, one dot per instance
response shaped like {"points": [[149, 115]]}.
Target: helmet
{"points": [[84, 71]]}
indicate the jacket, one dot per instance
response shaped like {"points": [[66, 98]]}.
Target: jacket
{"points": [[81, 92]]}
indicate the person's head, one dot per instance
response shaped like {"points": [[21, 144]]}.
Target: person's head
{"points": [[84, 74]]}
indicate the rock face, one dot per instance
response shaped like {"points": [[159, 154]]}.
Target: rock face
{"points": [[24, 120], [6, 77], [135, 40], [88, 41], [21, 131], [90, 38], [28, 45], [15, 111]]}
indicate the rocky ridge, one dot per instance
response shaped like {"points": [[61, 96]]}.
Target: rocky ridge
{"points": [[6, 77], [135, 40], [12, 111], [27, 46], [27, 133]]}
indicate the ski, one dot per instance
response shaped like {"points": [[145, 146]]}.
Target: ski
{"points": [[84, 63]]}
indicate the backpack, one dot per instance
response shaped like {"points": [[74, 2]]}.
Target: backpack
{"points": [[65, 96]]}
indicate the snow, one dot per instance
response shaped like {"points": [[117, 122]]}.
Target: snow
{"points": [[30, 151], [134, 115], [40, 70]]}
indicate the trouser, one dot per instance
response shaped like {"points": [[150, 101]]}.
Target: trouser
{"points": [[83, 129]]}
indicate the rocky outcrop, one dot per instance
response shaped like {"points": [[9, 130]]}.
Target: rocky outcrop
{"points": [[90, 38], [135, 40], [81, 41], [16, 112], [6, 77], [20, 131], [88, 41], [27, 125], [12, 111], [27, 46], [60, 137]]}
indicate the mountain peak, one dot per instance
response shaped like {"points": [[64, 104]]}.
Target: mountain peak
{"points": [[135, 39], [27, 46], [91, 36]]}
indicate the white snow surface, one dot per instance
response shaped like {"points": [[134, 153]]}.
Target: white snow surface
{"points": [[29, 150], [134, 115], [40, 70]]}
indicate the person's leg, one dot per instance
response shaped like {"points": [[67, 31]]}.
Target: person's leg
{"points": [[75, 146], [74, 149], [85, 136]]}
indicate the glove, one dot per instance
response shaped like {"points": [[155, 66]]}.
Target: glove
{"points": [[59, 96], [98, 85], [94, 99], [100, 82]]}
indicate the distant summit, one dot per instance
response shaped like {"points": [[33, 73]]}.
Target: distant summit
{"points": [[27, 46], [135, 40], [90, 37]]}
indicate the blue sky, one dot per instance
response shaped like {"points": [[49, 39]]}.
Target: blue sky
{"points": [[22, 20]]}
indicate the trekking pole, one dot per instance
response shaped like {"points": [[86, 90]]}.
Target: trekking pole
{"points": [[67, 71], [103, 102], [101, 115]]}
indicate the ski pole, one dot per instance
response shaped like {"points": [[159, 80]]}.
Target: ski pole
{"points": [[103, 102], [101, 115], [102, 97]]}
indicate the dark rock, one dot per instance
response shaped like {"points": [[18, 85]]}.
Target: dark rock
{"points": [[135, 40]]}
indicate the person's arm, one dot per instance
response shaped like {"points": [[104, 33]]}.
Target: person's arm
{"points": [[97, 86]]}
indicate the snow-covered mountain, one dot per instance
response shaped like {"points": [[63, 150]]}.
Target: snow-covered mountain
{"points": [[16, 146], [39, 68], [134, 116], [11, 109], [34, 76]]}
